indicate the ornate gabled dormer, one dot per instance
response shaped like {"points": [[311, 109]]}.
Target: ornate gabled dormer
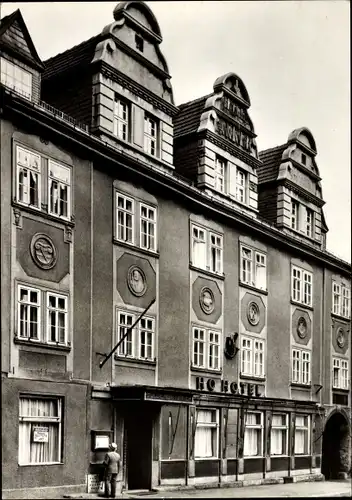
{"points": [[119, 84], [215, 143], [20, 65], [289, 188]]}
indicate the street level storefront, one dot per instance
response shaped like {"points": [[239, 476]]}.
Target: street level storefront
{"points": [[171, 436]]}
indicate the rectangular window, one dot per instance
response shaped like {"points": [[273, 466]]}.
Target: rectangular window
{"points": [[341, 300], [16, 78], [302, 286], [294, 215], [124, 218], [309, 222], [150, 135], [40, 431], [252, 357], [28, 175], [139, 342], [206, 348], [148, 227], [219, 174], [302, 440], [253, 268], [279, 434], [206, 434], [340, 373], [300, 366], [253, 434], [346, 302], [121, 119], [336, 298], [207, 249], [241, 185], [59, 190], [28, 313], [56, 318]]}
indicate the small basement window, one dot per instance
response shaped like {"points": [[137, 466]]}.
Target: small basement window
{"points": [[139, 42]]}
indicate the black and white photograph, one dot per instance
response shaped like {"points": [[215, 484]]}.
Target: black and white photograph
{"points": [[175, 249]]}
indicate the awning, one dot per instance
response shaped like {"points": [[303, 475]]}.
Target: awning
{"points": [[151, 394]]}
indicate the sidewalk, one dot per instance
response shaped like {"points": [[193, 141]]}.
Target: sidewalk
{"points": [[341, 488]]}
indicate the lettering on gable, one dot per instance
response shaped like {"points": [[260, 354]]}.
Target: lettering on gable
{"points": [[234, 134]]}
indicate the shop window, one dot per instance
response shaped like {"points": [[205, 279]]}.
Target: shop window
{"points": [[279, 434], [300, 366], [301, 286], [150, 135], [40, 430], [340, 373], [206, 348], [207, 434], [220, 174], [207, 249], [16, 78], [253, 434], [253, 268], [252, 357], [122, 113], [341, 300], [302, 435], [139, 342]]}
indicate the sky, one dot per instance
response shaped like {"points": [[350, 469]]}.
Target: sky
{"points": [[293, 57]]}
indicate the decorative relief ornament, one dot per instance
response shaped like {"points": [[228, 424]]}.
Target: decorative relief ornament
{"points": [[43, 251], [136, 281], [340, 337], [206, 300], [302, 328], [253, 313]]}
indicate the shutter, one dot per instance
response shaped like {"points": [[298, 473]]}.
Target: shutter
{"points": [[138, 126]]}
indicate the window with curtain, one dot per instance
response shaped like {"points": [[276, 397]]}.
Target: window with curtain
{"points": [[253, 268], [253, 434], [279, 434], [28, 168], [207, 249], [59, 190], [40, 430], [207, 434], [302, 435]]}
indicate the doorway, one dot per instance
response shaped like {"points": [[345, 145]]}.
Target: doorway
{"points": [[138, 442], [335, 452]]}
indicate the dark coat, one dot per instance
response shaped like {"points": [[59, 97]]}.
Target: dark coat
{"points": [[112, 462]]}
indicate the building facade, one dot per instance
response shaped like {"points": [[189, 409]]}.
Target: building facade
{"points": [[127, 219]]}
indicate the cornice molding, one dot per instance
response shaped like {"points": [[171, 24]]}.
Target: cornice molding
{"points": [[229, 147], [234, 121], [302, 168], [137, 89], [25, 111], [302, 192]]}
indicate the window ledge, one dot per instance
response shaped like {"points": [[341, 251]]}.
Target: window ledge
{"points": [[339, 390], [300, 304], [40, 464], [212, 371], [38, 343], [130, 359], [39, 211], [340, 317], [207, 272], [254, 288], [253, 377], [300, 386], [132, 246]]}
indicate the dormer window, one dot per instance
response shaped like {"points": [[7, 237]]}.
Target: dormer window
{"points": [[219, 174], [304, 159], [139, 43], [121, 119], [16, 78], [294, 215], [150, 135]]}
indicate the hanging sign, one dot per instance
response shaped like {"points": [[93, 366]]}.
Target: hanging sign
{"points": [[40, 434]]}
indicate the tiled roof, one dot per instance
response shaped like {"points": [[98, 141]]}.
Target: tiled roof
{"points": [[271, 159], [188, 119], [77, 55]]}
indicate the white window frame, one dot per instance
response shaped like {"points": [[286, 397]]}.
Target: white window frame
{"points": [[28, 170], [213, 426], [206, 351], [252, 262], [305, 428], [150, 135], [309, 229], [56, 312], [342, 372], [341, 300], [282, 429], [252, 357], [122, 119], [206, 249], [220, 174], [346, 302], [125, 213], [301, 286], [147, 226], [134, 340], [29, 305], [294, 214], [39, 421], [61, 185], [15, 81], [241, 185], [259, 428], [301, 366]]}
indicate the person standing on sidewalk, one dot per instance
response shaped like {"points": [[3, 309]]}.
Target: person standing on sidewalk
{"points": [[112, 468]]}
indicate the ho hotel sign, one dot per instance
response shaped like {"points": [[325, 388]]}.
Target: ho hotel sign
{"points": [[226, 387]]}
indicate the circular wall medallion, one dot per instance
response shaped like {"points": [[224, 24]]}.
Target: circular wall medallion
{"points": [[136, 281], [302, 327], [43, 251], [253, 313], [340, 337], [206, 300]]}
